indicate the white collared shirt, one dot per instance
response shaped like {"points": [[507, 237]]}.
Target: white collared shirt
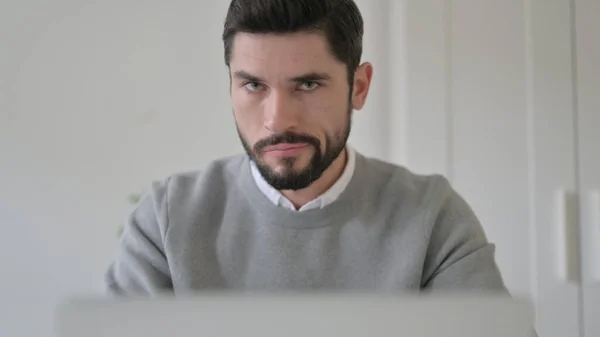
{"points": [[321, 201]]}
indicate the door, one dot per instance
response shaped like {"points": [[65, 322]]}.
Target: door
{"points": [[490, 98], [587, 13], [553, 167]]}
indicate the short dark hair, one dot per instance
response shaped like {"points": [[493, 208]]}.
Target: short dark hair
{"points": [[339, 20]]}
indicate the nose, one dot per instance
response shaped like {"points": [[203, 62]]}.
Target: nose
{"points": [[280, 112]]}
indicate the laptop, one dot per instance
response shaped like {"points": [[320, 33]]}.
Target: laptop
{"points": [[295, 315]]}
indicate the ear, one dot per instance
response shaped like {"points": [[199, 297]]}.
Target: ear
{"points": [[362, 82]]}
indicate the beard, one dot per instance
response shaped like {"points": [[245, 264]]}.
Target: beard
{"points": [[291, 178]]}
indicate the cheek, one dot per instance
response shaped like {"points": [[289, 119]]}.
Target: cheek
{"points": [[247, 112], [326, 117]]}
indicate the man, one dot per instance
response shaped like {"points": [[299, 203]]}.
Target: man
{"points": [[300, 210]]}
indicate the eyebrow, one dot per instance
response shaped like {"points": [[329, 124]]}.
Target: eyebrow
{"points": [[310, 77], [246, 76]]}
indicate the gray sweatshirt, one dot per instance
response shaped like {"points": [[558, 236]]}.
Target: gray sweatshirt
{"points": [[390, 230]]}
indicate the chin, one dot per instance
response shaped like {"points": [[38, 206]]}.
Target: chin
{"points": [[284, 167], [296, 162]]}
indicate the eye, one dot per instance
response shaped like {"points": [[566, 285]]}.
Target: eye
{"points": [[253, 86], [309, 86]]}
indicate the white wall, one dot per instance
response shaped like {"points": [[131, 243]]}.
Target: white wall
{"points": [[96, 100]]}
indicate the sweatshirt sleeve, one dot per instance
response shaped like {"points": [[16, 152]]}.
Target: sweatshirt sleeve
{"points": [[140, 265], [459, 257]]}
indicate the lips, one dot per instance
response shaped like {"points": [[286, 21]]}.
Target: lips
{"points": [[286, 149]]}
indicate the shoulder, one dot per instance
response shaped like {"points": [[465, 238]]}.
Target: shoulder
{"points": [[416, 193], [212, 180], [217, 171], [433, 207]]}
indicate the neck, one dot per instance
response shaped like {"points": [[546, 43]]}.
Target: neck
{"points": [[301, 197]]}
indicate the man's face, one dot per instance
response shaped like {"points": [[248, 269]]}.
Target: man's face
{"points": [[292, 104]]}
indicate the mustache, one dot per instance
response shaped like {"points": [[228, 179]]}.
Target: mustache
{"points": [[286, 138]]}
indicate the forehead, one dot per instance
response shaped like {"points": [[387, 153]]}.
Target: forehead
{"points": [[283, 54]]}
